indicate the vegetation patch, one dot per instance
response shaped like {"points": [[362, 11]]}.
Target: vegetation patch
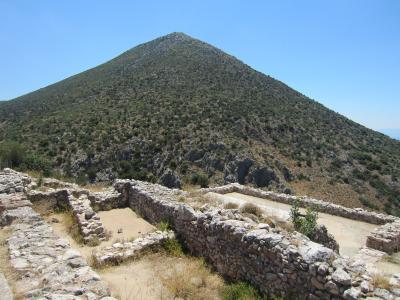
{"points": [[306, 224]]}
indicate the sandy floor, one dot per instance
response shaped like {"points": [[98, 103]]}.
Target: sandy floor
{"points": [[123, 218], [390, 266], [351, 235], [136, 280], [126, 219]]}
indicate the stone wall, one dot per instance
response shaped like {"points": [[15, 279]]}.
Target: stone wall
{"points": [[321, 206], [275, 262], [385, 238], [45, 266], [119, 252]]}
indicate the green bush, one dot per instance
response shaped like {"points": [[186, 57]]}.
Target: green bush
{"points": [[173, 247], [200, 179], [306, 224], [12, 155], [37, 163], [163, 226]]}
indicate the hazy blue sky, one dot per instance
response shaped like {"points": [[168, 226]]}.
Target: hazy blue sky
{"points": [[344, 54]]}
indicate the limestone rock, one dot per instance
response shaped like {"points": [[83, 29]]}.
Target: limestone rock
{"points": [[342, 277]]}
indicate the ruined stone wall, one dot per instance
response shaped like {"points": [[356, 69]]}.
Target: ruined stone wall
{"points": [[384, 238], [273, 261], [322, 206], [45, 266]]}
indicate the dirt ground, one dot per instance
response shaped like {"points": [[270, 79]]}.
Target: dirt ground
{"points": [[157, 276], [350, 234], [125, 219]]}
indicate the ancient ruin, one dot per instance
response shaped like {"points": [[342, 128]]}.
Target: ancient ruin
{"points": [[274, 260]]}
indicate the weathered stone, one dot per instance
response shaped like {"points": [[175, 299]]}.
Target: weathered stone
{"points": [[342, 277], [352, 294]]}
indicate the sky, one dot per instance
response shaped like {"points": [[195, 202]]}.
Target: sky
{"points": [[343, 53]]}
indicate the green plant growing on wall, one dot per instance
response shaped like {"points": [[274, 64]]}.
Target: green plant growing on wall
{"points": [[306, 224]]}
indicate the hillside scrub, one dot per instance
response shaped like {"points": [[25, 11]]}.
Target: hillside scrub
{"points": [[179, 103], [14, 155]]}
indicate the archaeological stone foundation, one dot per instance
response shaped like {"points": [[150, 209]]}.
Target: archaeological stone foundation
{"points": [[274, 261]]}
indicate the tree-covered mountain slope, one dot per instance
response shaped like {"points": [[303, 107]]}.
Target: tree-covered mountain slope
{"points": [[177, 109]]}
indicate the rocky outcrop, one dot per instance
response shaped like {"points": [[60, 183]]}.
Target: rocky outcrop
{"points": [[262, 177], [123, 251], [237, 170], [385, 238], [170, 179]]}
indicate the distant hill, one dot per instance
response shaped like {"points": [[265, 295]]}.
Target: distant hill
{"points": [[179, 110]]}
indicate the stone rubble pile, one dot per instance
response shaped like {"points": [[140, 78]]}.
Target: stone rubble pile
{"points": [[123, 251], [88, 221], [385, 238], [14, 182], [273, 261]]}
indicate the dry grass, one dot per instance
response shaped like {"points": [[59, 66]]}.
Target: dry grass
{"points": [[189, 278], [98, 187], [231, 205], [72, 226], [250, 208], [274, 221], [43, 207], [197, 199], [380, 281]]}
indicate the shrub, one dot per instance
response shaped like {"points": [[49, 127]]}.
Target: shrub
{"points": [[306, 224], [12, 155], [366, 202], [163, 226], [200, 179], [37, 163], [173, 247]]}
